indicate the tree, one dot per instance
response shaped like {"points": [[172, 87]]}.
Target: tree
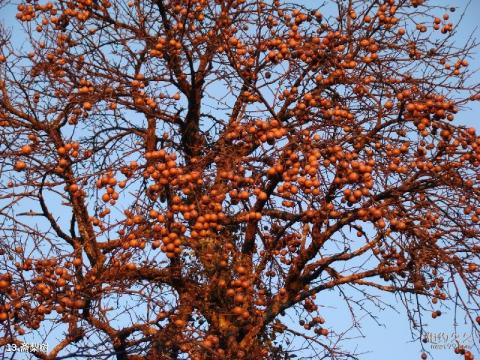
{"points": [[177, 175]]}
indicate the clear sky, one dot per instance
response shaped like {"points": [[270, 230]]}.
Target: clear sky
{"points": [[392, 340]]}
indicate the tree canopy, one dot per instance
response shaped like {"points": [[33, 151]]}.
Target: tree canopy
{"points": [[178, 175]]}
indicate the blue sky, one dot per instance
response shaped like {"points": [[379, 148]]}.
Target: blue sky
{"points": [[392, 339]]}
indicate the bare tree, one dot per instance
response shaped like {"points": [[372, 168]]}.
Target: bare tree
{"points": [[177, 175]]}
